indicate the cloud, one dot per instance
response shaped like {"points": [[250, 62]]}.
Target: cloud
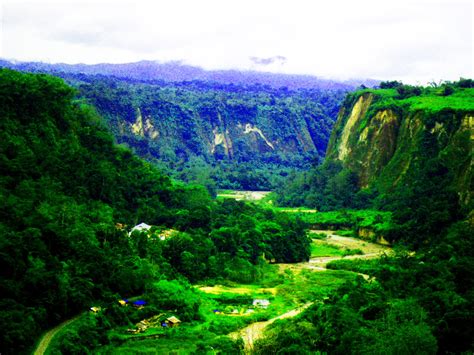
{"points": [[279, 59], [412, 40]]}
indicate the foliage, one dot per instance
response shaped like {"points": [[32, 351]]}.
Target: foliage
{"points": [[67, 191], [175, 125], [325, 187]]}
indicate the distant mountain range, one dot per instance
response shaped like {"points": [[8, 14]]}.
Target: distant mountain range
{"points": [[239, 129], [178, 72]]}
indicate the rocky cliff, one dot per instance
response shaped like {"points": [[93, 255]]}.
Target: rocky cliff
{"points": [[256, 127], [386, 137]]}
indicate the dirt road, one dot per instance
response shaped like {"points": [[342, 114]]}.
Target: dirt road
{"points": [[254, 331], [46, 339]]}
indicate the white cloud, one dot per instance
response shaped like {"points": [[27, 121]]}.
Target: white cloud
{"points": [[411, 40]]}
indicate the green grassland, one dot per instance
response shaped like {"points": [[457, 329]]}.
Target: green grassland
{"points": [[429, 99]]}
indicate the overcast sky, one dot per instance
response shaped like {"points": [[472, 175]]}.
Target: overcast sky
{"points": [[413, 40]]}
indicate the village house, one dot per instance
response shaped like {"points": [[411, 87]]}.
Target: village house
{"points": [[170, 322], [261, 303], [139, 304], [142, 227]]}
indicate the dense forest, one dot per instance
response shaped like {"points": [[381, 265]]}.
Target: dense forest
{"points": [[238, 134], [233, 136], [67, 191], [422, 302]]}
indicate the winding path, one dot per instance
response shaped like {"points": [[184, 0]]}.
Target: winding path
{"points": [[255, 331], [49, 335]]}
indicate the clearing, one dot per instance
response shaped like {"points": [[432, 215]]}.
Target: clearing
{"points": [[255, 331], [241, 289], [243, 195]]}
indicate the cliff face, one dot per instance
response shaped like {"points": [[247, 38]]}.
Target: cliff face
{"points": [[176, 122], [219, 135], [385, 139]]}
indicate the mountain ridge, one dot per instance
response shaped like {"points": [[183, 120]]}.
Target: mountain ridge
{"points": [[175, 71]]}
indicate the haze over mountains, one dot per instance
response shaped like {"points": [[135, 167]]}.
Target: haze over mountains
{"points": [[177, 71], [235, 129]]}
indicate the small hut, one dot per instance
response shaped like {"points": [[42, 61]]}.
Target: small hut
{"points": [[142, 227], [173, 321], [261, 303]]}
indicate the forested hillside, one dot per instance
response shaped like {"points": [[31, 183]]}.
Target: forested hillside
{"points": [[392, 142], [244, 137], [407, 150], [239, 134], [70, 196]]}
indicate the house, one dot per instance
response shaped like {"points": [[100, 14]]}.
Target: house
{"points": [[261, 303], [172, 321], [95, 309], [139, 303], [123, 302], [168, 233], [142, 227], [142, 326]]}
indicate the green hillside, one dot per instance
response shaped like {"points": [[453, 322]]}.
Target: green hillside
{"points": [[232, 136], [70, 196]]}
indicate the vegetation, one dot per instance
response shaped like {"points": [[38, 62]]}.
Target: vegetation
{"points": [[68, 206], [415, 302], [67, 191], [175, 125]]}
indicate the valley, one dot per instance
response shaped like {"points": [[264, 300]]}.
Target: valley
{"points": [[278, 285], [357, 254]]}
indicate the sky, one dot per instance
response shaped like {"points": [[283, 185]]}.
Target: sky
{"points": [[417, 41]]}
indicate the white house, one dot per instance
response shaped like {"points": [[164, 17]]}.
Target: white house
{"points": [[261, 303], [142, 227]]}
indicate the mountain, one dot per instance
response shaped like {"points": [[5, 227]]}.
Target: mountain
{"points": [[230, 129], [388, 136], [177, 72], [239, 136], [400, 148]]}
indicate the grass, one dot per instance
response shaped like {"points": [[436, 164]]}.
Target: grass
{"points": [[460, 100], [182, 340], [321, 250], [313, 286], [364, 266], [431, 100]]}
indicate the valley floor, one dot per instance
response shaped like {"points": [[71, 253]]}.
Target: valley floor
{"points": [[291, 288]]}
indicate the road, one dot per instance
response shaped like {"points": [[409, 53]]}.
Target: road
{"points": [[49, 335], [255, 331]]}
